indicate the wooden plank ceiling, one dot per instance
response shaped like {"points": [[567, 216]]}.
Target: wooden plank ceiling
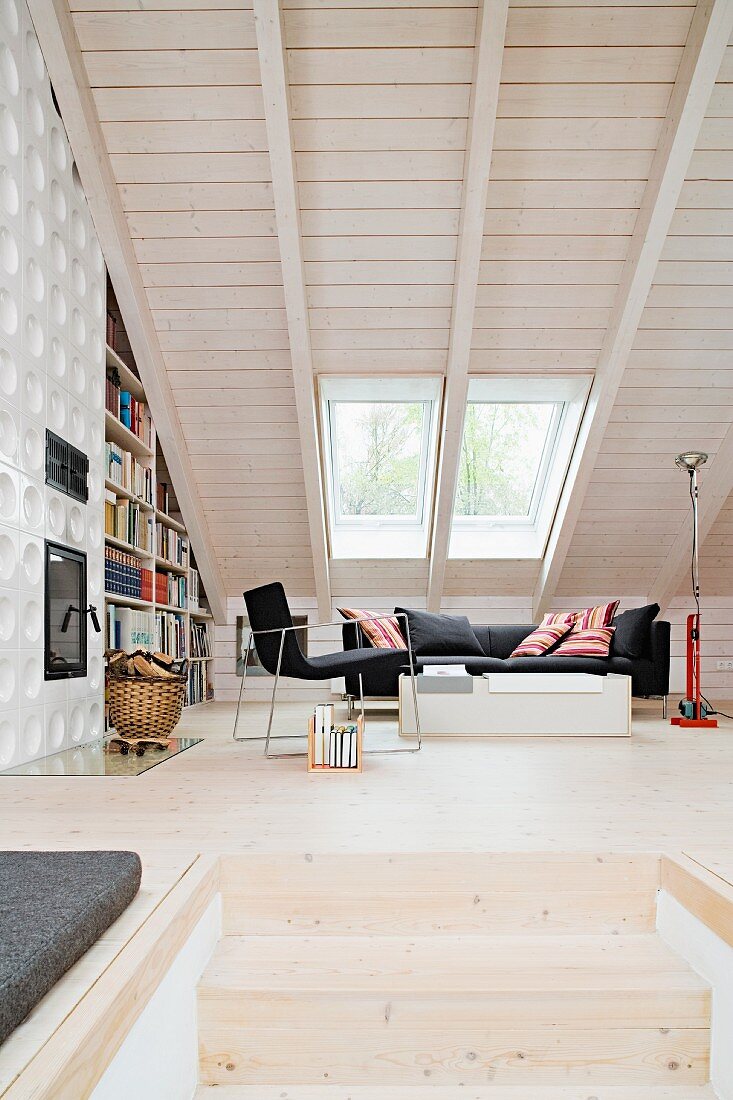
{"points": [[379, 98]]}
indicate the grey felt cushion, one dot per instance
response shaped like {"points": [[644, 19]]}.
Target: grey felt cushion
{"points": [[53, 907]]}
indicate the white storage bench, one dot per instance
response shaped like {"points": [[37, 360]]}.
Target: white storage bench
{"points": [[518, 704]]}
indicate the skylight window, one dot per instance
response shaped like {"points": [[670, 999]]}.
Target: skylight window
{"points": [[379, 453], [517, 441]]}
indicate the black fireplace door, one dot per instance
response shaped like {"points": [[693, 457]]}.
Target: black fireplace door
{"points": [[65, 612]]}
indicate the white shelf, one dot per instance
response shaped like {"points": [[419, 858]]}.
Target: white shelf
{"points": [[170, 607], [168, 521], [120, 544], [126, 601], [129, 381], [116, 432], [122, 492], [170, 567]]}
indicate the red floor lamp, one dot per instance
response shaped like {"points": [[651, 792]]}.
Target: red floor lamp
{"points": [[694, 708]]}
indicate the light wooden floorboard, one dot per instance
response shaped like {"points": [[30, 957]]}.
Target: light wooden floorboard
{"points": [[490, 1092], [663, 789]]}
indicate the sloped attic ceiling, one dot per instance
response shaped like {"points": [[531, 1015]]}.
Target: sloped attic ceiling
{"points": [[379, 136]]}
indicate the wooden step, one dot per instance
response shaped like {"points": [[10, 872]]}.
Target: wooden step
{"points": [[418, 1092], [451, 1010], [424, 893]]}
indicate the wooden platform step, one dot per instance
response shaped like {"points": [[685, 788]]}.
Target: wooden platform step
{"points": [[426, 893], [489, 1092], [452, 1011]]}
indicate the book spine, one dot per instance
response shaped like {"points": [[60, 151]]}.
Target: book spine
{"points": [[126, 408]]}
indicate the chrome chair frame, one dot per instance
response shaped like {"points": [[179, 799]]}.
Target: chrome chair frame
{"points": [[282, 630]]}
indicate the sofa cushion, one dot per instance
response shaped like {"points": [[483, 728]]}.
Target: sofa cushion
{"points": [[383, 632], [505, 638], [586, 619], [541, 640], [595, 642], [598, 666], [476, 666], [441, 635], [53, 907], [483, 633], [633, 628]]}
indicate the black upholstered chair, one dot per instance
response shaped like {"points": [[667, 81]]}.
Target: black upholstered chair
{"points": [[274, 638]]}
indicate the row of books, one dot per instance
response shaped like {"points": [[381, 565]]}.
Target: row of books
{"points": [[199, 689], [200, 641], [193, 588], [162, 496], [128, 410], [170, 633], [171, 589], [125, 520], [124, 470], [125, 576], [170, 545], [334, 746], [128, 628], [112, 390]]}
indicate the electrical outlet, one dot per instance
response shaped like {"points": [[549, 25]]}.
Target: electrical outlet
{"points": [[724, 666]]}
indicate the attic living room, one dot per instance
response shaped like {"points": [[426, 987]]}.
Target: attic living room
{"points": [[366, 563]]}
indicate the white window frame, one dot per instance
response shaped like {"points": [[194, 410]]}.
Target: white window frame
{"points": [[525, 536], [380, 536]]}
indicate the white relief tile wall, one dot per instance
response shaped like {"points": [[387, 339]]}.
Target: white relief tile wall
{"points": [[52, 363]]}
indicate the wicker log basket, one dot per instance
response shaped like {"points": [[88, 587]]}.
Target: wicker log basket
{"points": [[145, 706]]}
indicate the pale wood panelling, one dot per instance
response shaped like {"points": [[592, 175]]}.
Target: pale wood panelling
{"points": [[673, 163], [179, 96], [676, 394], [388, 157], [379, 102]]}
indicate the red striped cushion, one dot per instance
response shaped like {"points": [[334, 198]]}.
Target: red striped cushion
{"points": [[590, 617], [560, 618], [595, 642], [384, 634], [540, 640]]}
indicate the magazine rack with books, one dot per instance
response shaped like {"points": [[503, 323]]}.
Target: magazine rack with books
{"points": [[333, 747]]}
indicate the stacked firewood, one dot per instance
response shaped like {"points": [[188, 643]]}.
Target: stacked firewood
{"points": [[144, 665]]}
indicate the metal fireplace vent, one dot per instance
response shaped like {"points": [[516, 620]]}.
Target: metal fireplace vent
{"points": [[66, 468]]}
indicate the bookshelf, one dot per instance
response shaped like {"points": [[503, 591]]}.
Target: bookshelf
{"points": [[153, 595]]}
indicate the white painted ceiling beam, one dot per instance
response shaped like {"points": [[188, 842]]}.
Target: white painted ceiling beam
{"points": [[57, 37], [489, 50], [707, 40], [715, 486], [276, 94]]}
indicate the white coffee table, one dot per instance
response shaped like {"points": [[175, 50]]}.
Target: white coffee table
{"points": [[518, 704]]}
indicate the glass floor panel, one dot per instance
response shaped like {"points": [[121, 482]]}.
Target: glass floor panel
{"points": [[101, 757]]}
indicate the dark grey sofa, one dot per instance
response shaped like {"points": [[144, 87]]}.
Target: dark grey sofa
{"points": [[53, 907], [649, 672]]}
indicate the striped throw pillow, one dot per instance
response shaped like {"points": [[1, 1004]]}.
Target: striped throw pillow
{"points": [[385, 634], [590, 617], [540, 640], [594, 642], [560, 618]]}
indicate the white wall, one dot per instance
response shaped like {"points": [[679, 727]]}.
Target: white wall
{"points": [[712, 958], [52, 365], [159, 1055]]}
